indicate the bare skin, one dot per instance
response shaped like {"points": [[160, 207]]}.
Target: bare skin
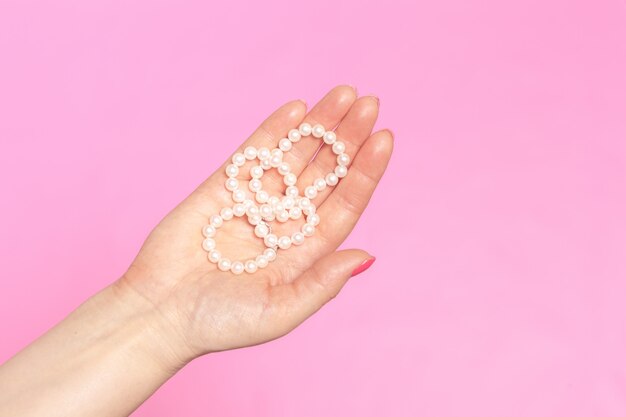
{"points": [[172, 305]]}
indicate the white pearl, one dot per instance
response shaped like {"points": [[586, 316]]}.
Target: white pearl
{"points": [[232, 184], [305, 129], [270, 240], [292, 191], [247, 203], [309, 210], [295, 213], [214, 256], [239, 195], [239, 209], [282, 216], [237, 268], [275, 161], [297, 238], [256, 171], [290, 179], [265, 164], [343, 159], [341, 171], [332, 179], [263, 153], [251, 267], [285, 144], [339, 147], [310, 192], [250, 152], [209, 231], [284, 242], [304, 203], [232, 170], [318, 130], [255, 219], [224, 264], [208, 244], [262, 261], [239, 159], [294, 135], [277, 152], [261, 230], [278, 207], [216, 221], [255, 185], [252, 210], [319, 184], [262, 196], [288, 202], [226, 213], [273, 200], [270, 254], [265, 210], [313, 219], [284, 168], [330, 137], [308, 229]]}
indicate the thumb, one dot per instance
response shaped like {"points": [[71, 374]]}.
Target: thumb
{"points": [[323, 281]]}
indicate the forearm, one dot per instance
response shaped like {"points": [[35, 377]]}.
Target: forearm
{"points": [[104, 359]]}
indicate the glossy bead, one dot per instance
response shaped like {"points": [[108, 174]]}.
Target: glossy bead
{"points": [[310, 192], [226, 213], [224, 264], [305, 129], [318, 131], [214, 256], [239, 159], [343, 159], [288, 202], [285, 144], [332, 179], [284, 242], [313, 219], [216, 221], [292, 191], [283, 168], [341, 171], [295, 213], [256, 171], [265, 210], [262, 261], [208, 244], [330, 137], [250, 153], [319, 184], [232, 170], [251, 266], [262, 196], [275, 161], [239, 210], [261, 230], [237, 268], [294, 135], [290, 179], [282, 216], [263, 153], [297, 238], [270, 240], [251, 210], [339, 147], [255, 185], [265, 164], [239, 195], [308, 229], [304, 203], [209, 231], [255, 219], [232, 184], [270, 254]]}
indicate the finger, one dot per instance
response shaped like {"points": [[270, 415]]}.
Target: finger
{"points": [[353, 130], [328, 111], [298, 300], [345, 204]]}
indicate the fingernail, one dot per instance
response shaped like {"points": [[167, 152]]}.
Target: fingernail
{"points": [[375, 97], [354, 88], [302, 100], [364, 266], [391, 132]]}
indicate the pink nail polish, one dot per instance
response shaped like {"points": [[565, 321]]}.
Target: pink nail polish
{"points": [[365, 265]]}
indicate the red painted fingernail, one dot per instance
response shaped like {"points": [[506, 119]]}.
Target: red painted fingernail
{"points": [[365, 265]]}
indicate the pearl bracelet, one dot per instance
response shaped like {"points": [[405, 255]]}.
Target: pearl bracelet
{"points": [[261, 208]]}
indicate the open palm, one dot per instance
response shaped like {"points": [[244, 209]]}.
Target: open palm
{"points": [[213, 310]]}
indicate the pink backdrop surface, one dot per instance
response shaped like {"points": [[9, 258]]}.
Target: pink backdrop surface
{"points": [[499, 228]]}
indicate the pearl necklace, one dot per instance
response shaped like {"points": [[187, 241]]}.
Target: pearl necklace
{"points": [[263, 208]]}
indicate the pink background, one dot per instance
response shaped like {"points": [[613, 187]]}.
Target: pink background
{"points": [[500, 226]]}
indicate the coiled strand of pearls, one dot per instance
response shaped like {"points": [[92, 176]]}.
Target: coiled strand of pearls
{"points": [[261, 208]]}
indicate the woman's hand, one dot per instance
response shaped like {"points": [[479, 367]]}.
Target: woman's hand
{"points": [[207, 310]]}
